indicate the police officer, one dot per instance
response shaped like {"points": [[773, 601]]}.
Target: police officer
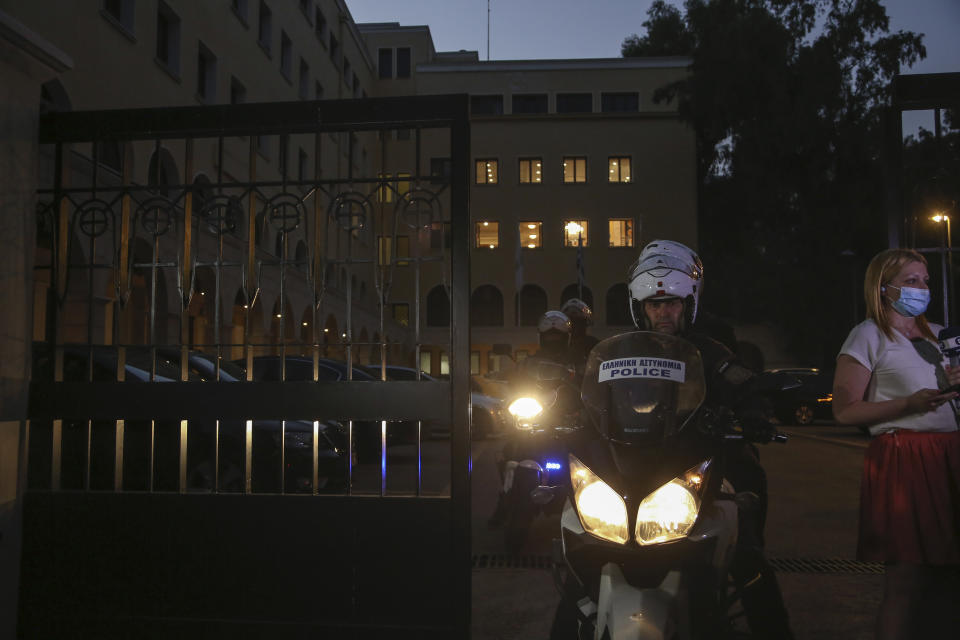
{"points": [[665, 284], [581, 317], [554, 329]]}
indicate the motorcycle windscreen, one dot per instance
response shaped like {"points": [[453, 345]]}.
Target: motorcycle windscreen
{"points": [[641, 387]]}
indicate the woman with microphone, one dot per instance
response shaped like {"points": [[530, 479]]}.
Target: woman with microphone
{"points": [[892, 377]]}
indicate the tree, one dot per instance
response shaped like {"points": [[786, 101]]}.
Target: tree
{"points": [[786, 100]]}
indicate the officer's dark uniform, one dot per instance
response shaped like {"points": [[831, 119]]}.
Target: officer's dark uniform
{"points": [[728, 385]]}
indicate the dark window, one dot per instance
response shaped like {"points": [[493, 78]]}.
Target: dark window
{"points": [[305, 6], [302, 160], [346, 70], [238, 92], [618, 306], [403, 62], [486, 307], [121, 11], [206, 74], [486, 105], [532, 305], [321, 27], [385, 63], [574, 103], [530, 103], [440, 170], [304, 79], [240, 10], [573, 291], [356, 86], [286, 56], [319, 91], [282, 154], [613, 102], [438, 307], [334, 49], [440, 235], [265, 28], [168, 38]]}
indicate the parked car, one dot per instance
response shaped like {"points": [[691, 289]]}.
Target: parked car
{"points": [[488, 412], [806, 395]]}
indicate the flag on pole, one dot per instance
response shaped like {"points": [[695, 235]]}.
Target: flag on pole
{"points": [[581, 271]]}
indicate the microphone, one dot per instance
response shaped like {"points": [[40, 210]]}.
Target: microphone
{"points": [[949, 339]]}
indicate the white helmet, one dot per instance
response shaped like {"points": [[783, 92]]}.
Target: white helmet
{"points": [[577, 309], [665, 270], [555, 321]]}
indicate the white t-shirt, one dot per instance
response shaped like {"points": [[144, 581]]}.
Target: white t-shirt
{"points": [[897, 370]]}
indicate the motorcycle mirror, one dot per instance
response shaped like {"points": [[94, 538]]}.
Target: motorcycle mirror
{"points": [[544, 495], [746, 500]]}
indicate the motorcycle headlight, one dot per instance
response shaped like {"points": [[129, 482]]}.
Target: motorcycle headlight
{"points": [[602, 512], [525, 408], [669, 512]]}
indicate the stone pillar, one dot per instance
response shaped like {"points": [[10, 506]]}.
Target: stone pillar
{"points": [[26, 62]]}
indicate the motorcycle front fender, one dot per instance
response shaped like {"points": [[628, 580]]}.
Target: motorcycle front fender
{"points": [[625, 612]]}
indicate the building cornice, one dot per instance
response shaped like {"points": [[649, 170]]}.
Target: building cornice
{"points": [[29, 42], [583, 64]]}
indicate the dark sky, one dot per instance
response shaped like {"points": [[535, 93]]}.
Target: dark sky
{"points": [[531, 29]]}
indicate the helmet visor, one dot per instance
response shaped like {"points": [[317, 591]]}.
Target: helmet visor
{"points": [[660, 265]]}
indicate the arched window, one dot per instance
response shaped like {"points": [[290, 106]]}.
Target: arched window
{"points": [[618, 306], [573, 291], [162, 172], [438, 307], [486, 307], [532, 305]]}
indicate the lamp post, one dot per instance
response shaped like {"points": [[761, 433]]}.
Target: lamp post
{"points": [[946, 265]]}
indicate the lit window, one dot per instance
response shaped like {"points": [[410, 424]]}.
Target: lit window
{"points": [[487, 172], [425, 357], [475, 363], [401, 313], [488, 235], [386, 255], [574, 169], [621, 232], [384, 191], [575, 231], [403, 184], [444, 364], [530, 170], [618, 169], [530, 236]]}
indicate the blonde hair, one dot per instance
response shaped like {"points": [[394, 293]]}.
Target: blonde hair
{"points": [[882, 269]]}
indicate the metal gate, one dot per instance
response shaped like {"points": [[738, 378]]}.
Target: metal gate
{"points": [[220, 439]]}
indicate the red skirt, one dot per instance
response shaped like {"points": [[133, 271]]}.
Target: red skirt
{"points": [[910, 499]]}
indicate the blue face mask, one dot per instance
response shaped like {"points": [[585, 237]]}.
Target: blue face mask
{"points": [[912, 301]]}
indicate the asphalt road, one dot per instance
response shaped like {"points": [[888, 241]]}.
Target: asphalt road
{"points": [[814, 484]]}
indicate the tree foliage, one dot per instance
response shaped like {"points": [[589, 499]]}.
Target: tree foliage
{"points": [[786, 98]]}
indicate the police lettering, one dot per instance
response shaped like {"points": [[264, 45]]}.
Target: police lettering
{"points": [[640, 372]]}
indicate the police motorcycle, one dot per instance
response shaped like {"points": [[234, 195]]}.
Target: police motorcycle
{"points": [[544, 409], [649, 526]]}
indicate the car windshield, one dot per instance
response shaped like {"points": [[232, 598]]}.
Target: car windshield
{"points": [[641, 387]]}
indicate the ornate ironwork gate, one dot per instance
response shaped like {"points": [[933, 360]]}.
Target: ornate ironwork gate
{"points": [[218, 442]]}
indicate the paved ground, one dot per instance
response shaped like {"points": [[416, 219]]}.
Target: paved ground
{"points": [[814, 492]]}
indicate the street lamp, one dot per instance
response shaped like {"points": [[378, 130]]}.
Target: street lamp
{"points": [[946, 264]]}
